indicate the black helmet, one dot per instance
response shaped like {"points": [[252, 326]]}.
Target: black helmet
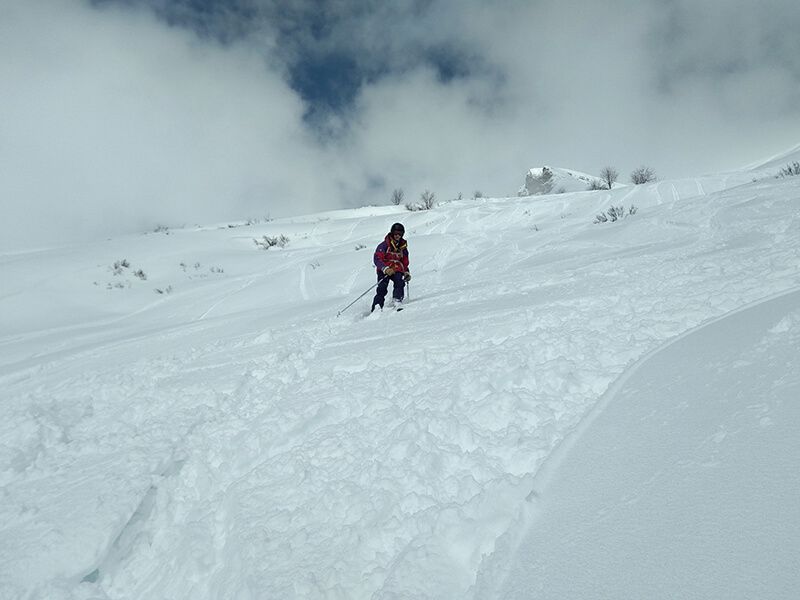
{"points": [[398, 227]]}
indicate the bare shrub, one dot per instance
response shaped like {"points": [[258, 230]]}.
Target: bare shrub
{"points": [[426, 202], [256, 220], [596, 184], [643, 175], [117, 267], [615, 213], [397, 196], [427, 198], [267, 242]]}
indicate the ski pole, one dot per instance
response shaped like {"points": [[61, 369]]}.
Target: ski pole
{"points": [[368, 290]]}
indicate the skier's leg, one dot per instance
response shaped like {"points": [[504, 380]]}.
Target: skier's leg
{"points": [[399, 286], [380, 292]]}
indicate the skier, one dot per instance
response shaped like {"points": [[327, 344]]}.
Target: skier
{"points": [[391, 262]]}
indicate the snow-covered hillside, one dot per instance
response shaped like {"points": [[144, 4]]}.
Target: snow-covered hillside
{"points": [[771, 166], [183, 415]]}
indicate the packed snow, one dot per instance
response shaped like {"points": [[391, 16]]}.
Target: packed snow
{"points": [[185, 416]]}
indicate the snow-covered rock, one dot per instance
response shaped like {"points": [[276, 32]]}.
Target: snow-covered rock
{"points": [[554, 180]]}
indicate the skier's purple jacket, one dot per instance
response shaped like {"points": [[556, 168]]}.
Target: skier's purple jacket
{"points": [[391, 253]]}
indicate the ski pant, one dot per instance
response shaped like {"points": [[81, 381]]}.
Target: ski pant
{"points": [[383, 287]]}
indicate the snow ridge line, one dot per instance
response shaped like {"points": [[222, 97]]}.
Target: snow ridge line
{"points": [[550, 466]]}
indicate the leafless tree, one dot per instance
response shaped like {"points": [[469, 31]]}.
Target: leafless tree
{"points": [[397, 196], [608, 176], [427, 198]]}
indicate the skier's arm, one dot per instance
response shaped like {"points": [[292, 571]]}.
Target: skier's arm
{"points": [[377, 258]]}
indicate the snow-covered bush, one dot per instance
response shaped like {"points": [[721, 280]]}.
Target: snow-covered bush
{"points": [[426, 202], [790, 170], [266, 242], [595, 184], [117, 267], [615, 213], [257, 220]]}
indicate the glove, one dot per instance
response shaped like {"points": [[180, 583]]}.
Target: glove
{"points": [[407, 276], [388, 271]]}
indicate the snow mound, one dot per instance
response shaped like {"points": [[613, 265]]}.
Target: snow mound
{"points": [[540, 181]]}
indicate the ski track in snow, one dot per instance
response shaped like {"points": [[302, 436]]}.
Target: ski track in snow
{"points": [[271, 450], [211, 308]]}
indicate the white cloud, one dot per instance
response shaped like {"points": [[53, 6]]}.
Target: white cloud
{"points": [[112, 121]]}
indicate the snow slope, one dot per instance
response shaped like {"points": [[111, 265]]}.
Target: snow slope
{"points": [[230, 437], [772, 165], [682, 482]]}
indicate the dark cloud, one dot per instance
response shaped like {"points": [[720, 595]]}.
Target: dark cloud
{"points": [[329, 49], [125, 112]]}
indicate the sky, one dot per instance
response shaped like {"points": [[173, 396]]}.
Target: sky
{"points": [[122, 115]]}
